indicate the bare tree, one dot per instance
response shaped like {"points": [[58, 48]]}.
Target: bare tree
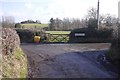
{"points": [[83, 23], [8, 22], [91, 18], [92, 13], [38, 21], [66, 24], [58, 24], [110, 20], [106, 19], [76, 23], [51, 24]]}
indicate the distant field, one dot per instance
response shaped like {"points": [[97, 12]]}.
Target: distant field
{"points": [[34, 25], [58, 32]]}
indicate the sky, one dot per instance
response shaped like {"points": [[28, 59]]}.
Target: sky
{"points": [[43, 10]]}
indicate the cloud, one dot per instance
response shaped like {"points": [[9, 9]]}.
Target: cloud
{"points": [[28, 5], [14, 0], [17, 15], [45, 9], [72, 8], [1, 12], [110, 6]]}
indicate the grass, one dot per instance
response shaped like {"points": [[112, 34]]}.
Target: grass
{"points": [[22, 59], [34, 25], [15, 65], [58, 32]]}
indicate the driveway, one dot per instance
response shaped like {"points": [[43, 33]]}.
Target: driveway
{"points": [[66, 60]]}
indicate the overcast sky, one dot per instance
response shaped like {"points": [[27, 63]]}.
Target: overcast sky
{"points": [[43, 10]]}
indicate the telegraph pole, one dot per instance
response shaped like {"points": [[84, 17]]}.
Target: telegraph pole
{"points": [[119, 10], [98, 14]]}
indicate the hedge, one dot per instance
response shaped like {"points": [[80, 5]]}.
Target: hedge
{"points": [[26, 36], [91, 35]]}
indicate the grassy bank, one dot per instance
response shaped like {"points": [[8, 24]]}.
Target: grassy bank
{"points": [[34, 25], [15, 66], [58, 32]]}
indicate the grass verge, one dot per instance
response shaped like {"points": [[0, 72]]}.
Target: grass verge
{"points": [[15, 65]]}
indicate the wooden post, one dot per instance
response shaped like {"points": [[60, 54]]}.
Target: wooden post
{"points": [[98, 15]]}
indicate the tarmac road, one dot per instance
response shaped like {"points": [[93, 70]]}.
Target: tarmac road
{"points": [[66, 60]]}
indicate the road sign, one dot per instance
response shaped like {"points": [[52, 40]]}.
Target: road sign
{"points": [[79, 34]]}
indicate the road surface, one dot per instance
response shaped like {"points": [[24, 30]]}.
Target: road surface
{"points": [[66, 60]]}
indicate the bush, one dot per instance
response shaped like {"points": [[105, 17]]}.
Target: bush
{"points": [[27, 35], [91, 35]]}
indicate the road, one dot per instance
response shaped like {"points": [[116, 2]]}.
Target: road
{"points": [[66, 60]]}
